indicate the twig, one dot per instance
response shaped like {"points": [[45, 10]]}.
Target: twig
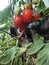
{"points": [[18, 37]]}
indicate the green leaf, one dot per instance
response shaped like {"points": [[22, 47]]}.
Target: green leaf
{"points": [[10, 63], [41, 4], [20, 3], [38, 39], [1, 42], [45, 11], [26, 45], [8, 55], [37, 11], [21, 51], [38, 44], [23, 2], [43, 56], [23, 48], [13, 42], [14, 2], [35, 23], [5, 41], [4, 14], [17, 0], [20, 61], [27, 61]]}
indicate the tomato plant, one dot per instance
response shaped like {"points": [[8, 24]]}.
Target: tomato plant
{"points": [[24, 37]]}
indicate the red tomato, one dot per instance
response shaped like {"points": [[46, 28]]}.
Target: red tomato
{"points": [[18, 21], [37, 16], [27, 15], [21, 28]]}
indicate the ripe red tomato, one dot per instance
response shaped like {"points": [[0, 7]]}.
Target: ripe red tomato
{"points": [[21, 28], [18, 21], [37, 16], [27, 15]]}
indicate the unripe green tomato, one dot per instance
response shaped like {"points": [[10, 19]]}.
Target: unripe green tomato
{"points": [[27, 6], [17, 10], [35, 1]]}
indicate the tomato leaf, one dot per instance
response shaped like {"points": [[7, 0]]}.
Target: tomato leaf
{"points": [[38, 44], [26, 45], [8, 55], [41, 4], [13, 42], [37, 11], [43, 56], [14, 2], [4, 14]]}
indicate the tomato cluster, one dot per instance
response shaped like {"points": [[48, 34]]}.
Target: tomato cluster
{"points": [[27, 22], [20, 21]]}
